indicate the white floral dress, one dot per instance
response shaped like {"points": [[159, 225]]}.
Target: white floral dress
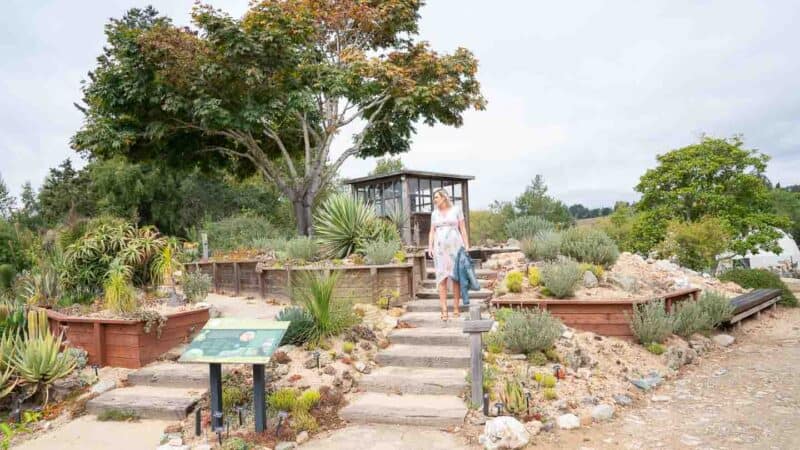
{"points": [[447, 240]]}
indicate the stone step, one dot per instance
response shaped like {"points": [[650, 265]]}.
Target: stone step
{"points": [[147, 402], [431, 283], [429, 336], [431, 305], [432, 320], [433, 293], [484, 274], [170, 374], [436, 356], [415, 380], [440, 411]]}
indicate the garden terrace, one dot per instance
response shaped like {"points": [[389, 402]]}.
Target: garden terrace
{"points": [[410, 193], [399, 282], [609, 317], [124, 342]]}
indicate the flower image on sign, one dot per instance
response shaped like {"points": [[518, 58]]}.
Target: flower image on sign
{"points": [[232, 340]]}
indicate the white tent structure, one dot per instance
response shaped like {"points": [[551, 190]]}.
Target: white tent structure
{"points": [[788, 257]]}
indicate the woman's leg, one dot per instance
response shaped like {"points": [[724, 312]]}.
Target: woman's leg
{"points": [[443, 298], [456, 298]]}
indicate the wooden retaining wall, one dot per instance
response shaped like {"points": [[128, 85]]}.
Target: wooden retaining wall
{"points": [[124, 343], [357, 283]]}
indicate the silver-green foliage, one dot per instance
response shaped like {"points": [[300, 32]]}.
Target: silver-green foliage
{"points": [[561, 277], [381, 252], [651, 322], [340, 224], [196, 285], [544, 246], [530, 331], [717, 307], [527, 227], [589, 245], [689, 318], [39, 361], [302, 249]]}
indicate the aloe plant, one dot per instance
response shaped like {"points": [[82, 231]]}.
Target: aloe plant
{"points": [[39, 361], [513, 397], [8, 380]]}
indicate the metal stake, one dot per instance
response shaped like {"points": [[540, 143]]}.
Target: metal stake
{"points": [[197, 422], [259, 398]]}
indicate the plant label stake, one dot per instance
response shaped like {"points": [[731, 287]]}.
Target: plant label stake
{"points": [[197, 422], [499, 407], [96, 370], [486, 405], [528, 403]]}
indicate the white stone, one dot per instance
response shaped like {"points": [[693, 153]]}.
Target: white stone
{"points": [[662, 398], [103, 386], [504, 433], [534, 427], [301, 437], [568, 421], [723, 340], [602, 412], [589, 280]]}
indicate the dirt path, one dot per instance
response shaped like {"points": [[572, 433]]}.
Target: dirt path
{"points": [[747, 397]]}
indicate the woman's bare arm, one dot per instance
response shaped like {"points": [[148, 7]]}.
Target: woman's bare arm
{"points": [[463, 228], [431, 238]]}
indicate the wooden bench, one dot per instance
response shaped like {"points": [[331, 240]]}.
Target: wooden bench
{"points": [[753, 302]]}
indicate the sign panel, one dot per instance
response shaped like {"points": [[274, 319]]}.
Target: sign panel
{"points": [[228, 340]]}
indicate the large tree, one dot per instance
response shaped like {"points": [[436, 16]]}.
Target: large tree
{"points": [[271, 91], [7, 201], [714, 178], [535, 202]]}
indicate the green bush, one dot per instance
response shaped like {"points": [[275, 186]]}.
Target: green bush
{"points": [[307, 400], [537, 358], [717, 307], [494, 342], [120, 296], [196, 285], [696, 244], [760, 278], [530, 331], [545, 246], [487, 226], [233, 396], [302, 249], [650, 322], [304, 422], [502, 314], [561, 277], [237, 232], [300, 326], [514, 281], [550, 394], [589, 245], [655, 348], [534, 276], [277, 245], [315, 294], [7, 274], [381, 252], [548, 380], [282, 400], [527, 227], [689, 318]]}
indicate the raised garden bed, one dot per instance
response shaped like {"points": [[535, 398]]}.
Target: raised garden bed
{"points": [[357, 282], [605, 317], [124, 343]]}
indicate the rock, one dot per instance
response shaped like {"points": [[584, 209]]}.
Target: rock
{"points": [[602, 412], [511, 242], [504, 433], [365, 345], [286, 348], [518, 357], [585, 418], [103, 386], [589, 280], [625, 282], [534, 427], [324, 360], [661, 398], [723, 340], [567, 334], [577, 357], [64, 387], [622, 399], [700, 343], [202, 447], [329, 370], [678, 355], [547, 427], [568, 421], [652, 380], [362, 367], [590, 400], [301, 437], [285, 445], [562, 405]]}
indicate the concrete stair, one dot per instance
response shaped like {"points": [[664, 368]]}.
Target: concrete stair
{"points": [[481, 274], [430, 283], [473, 295], [429, 336], [432, 320], [430, 305], [415, 380], [163, 391], [421, 410], [424, 356]]}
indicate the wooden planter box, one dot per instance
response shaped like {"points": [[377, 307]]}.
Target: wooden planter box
{"points": [[605, 317], [123, 343], [356, 283]]}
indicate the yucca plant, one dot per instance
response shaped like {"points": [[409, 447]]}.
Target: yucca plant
{"points": [[119, 295], [341, 223], [315, 294], [39, 361], [165, 264]]}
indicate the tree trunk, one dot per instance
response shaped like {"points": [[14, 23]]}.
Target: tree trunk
{"points": [[302, 214]]}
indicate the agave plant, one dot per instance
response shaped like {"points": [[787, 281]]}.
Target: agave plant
{"points": [[341, 223], [8, 380], [39, 361]]}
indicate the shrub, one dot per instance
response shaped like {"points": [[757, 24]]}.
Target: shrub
{"points": [[487, 226], [716, 307], [534, 276], [655, 348], [528, 332], [12, 317], [545, 246], [596, 270], [264, 244], [561, 277], [299, 327], [302, 249], [307, 400], [7, 274], [237, 232], [233, 396], [589, 245], [341, 224], [690, 318], [381, 252], [537, 358], [348, 347], [196, 285], [315, 294], [39, 361], [494, 342], [527, 227], [304, 422], [650, 322], [120, 296], [548, 380], [235, 443], [282, 400], [502, 314], [696, 244], [514, 281], [760, 278], [550, 394]]}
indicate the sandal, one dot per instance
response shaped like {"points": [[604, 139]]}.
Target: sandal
{"points": [[456, 315], [444, 316]]}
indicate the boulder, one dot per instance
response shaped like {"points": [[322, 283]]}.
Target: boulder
{"points": [[504, 433], [678, 355], [623, 400], [625, 282], [301, 437], [568, 421], [723, 340], [589, 280], [534, 427], [652, 380], [602, 412]]}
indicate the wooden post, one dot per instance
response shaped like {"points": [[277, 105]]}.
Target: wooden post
{"points": [[373, 281], [214, 276], [99, 343], [405, 201], [237, 283], [474, 327], [261, 284]]}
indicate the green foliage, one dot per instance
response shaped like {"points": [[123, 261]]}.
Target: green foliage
{"points": [[237, 232], [530, 331], [619, 227], [596, 270], [282, 400], [527, 227], [717, 308], [760, 278], [7, 274], [302, 249], [39, 361], [689, 318], [315, 294], [513, 281], [714, 178], [589, 245], [19, 246], [561, 277], [304, 421], [300, 327], [696, 244], [387, 165], [39, 287], [196, 285], [552, 355], [650, 322], [548, 380], [537, 358], [494, 342], [118, 415], [381, 252], [545, 246], [348, 347], [655, 348], [486, 226], [233, 396], [513, 397], [119, 293], [38, 324], [12, 317], [306, 401], [534, 276], [786, 204], [535, 202], [502, 315], [341, 225], [235, 443], [550, 394]]}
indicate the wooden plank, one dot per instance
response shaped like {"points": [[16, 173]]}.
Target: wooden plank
{"points": [[99, 341], [237, 280], [754, 310], [478, 326]]}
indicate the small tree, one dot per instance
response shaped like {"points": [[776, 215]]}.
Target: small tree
{"points": [[387, 165], [696, 244], [535, 202]]}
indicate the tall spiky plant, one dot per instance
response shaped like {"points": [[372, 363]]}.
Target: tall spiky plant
{"points": [[315, 294], [165, 264], [39, 361], [340, 224], [8, 379], [119, 295]]}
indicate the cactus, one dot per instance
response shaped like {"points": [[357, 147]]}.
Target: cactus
{"points": [[513, 397], [38, 326]]}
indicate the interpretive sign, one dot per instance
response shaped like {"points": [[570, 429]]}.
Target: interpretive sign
{"points": [[235, 341]]}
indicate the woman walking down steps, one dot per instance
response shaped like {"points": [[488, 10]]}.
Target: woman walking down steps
{"points": [[448, 235]]}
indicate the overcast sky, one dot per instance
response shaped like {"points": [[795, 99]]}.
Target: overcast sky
{"points": [[585, 93]]}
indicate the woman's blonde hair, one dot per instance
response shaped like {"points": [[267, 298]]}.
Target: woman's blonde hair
{"points": [[444, 195]]}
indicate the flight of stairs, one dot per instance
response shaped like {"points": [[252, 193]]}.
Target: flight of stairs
{"points": [[163, 391], [423, 371]]}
